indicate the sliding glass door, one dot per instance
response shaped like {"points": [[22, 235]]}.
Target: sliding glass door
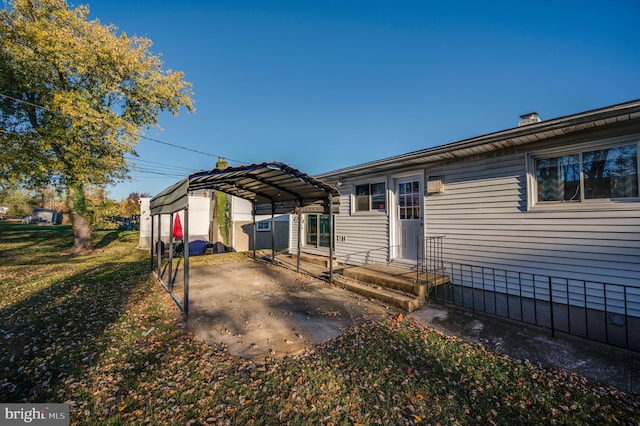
{"points": [[317, 230]]}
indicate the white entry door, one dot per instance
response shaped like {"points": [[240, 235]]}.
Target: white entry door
{"points": [[408, 216]]}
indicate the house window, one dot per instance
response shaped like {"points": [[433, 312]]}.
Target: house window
{"points": [[409, 200], [263, 226], [607, 173], [317, 230], [371, 197]]}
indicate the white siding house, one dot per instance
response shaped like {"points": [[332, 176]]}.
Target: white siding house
{"points": [[558, 198], [241, 238], [198, 223]]}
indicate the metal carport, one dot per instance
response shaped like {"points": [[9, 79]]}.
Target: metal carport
{"points": [[273, 188]]}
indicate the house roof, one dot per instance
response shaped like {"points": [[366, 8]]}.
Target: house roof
{"points": [[270, 186], [499, 140]]}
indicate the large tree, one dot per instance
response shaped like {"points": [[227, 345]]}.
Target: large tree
{"points": [[75, 96]]}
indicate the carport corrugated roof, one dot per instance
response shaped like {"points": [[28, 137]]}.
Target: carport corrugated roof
{"points": [[274, 188], [272, 185]]}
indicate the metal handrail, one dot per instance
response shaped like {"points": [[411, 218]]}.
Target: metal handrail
{"points": [[429, 259]]}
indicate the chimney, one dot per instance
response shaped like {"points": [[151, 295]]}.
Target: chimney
{"points": [[529, 118]]}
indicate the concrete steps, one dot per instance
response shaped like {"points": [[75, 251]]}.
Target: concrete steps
{"points": [[391, 284], [387, 276], [404, 302], [313, 259]]}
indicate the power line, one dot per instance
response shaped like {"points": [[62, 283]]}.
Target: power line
{"points": [[173, 166], [161, 173], [176, 173], [131, 134], [192, 150]]}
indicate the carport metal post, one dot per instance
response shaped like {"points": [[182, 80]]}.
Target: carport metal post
{"points": [[273, 231], [298, 243], [170, 280], [185, 243], [331, 238], [151, 243], [255, 242], [158, 251]]}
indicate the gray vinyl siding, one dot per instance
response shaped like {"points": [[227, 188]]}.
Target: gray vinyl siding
{"points": [[361, 238], [484, 218], [293, 233]]}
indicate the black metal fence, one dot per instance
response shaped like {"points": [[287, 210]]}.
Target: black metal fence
{"points": [[430, 254], [607, 313]]}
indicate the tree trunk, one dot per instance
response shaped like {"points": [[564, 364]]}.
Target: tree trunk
{"points": [[81, 234], [81, 226]]}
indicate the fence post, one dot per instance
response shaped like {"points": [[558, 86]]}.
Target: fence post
{"points": [[553, 328], [520, 296], [535, 301], [484, 302], [495, 292], [566, 281], [506, 291], [586, 312], [606, 314], [626, 318], [418, 263], [473, 295]]}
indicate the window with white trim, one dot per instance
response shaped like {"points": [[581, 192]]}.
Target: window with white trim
{"points": [[317, 230], [263, 226], [371, 197], [604, 173]]}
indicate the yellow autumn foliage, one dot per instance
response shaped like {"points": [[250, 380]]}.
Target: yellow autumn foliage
{"points": [[75, 95]]}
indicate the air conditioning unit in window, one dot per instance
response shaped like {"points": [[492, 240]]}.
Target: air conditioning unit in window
{"points": [[435, 184]]}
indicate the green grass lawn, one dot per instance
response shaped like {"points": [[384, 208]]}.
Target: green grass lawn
{"points": [[98, 333]]}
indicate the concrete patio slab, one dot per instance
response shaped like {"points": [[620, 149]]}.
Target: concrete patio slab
{"points": [[260, 310]]}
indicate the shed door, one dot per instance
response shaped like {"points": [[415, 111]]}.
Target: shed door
{"points": [[408, 216]]}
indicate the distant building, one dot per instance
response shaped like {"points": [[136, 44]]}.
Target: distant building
{"points": [[46, 217], [241, 238], [198, 221]]}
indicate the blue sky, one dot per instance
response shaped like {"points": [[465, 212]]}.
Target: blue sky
{"points": [[328, 84]]}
